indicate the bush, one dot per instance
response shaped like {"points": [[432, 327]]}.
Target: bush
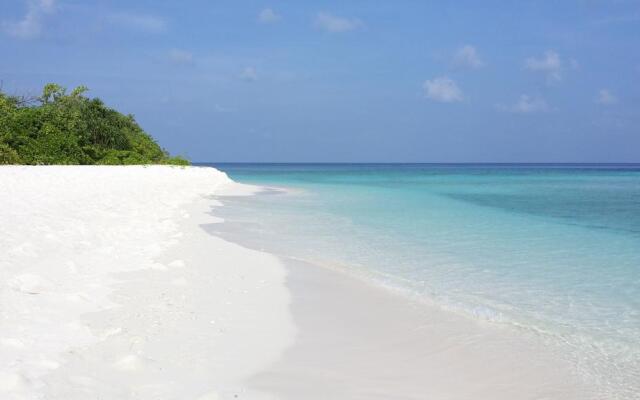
{"points": [[61, 128], [177, 160], [8, 155]]}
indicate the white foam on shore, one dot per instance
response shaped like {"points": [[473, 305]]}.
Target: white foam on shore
{"points": [[111, 289]]}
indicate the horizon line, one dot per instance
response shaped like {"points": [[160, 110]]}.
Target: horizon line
{"points": [[423, 162]]}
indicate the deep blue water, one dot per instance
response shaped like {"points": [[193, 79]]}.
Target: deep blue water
{"points": [[553, 250]]}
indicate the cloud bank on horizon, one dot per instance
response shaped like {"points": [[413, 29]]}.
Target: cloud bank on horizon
{"points": [[297, 81]]}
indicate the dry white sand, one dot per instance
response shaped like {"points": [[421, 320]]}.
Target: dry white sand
{"points": [[111, 289]]}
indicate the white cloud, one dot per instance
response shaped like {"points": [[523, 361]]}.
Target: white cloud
{"points": [[249, 74], [442, 89], [178, 56], [268, 16], [333, 24], [550, 64], [30, 26], [605, 97], [139, 22], [467, 56], [526, 105]]}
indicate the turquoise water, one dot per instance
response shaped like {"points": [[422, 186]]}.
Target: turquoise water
{"points": [[550, 250]]}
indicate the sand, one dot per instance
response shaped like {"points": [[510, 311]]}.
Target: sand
{"points": [[357, 341], [111, 289]]}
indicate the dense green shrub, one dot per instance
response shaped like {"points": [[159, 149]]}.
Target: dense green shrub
{"points": [[177, 160], [8, 155], [61, 128]]}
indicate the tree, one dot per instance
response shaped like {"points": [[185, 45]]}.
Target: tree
{"points": [[61, 128]]}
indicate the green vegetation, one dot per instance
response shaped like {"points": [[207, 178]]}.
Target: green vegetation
{"points": [[70, 128]]}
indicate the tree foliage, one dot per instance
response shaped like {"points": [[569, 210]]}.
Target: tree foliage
{"points": [[71, 128]]}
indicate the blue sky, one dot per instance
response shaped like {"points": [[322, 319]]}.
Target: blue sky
{"points": [[408, 81]]}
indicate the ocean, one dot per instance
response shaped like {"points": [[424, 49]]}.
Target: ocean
{"points": [[550, 250]]}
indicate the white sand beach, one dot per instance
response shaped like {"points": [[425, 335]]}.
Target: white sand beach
{"points": [[111, 288], [303, 200]]}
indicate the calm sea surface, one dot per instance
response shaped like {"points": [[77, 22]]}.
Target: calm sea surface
{"points": [[550, 249]]}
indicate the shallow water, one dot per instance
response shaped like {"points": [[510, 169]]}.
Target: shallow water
{"points": [[553, 250]]}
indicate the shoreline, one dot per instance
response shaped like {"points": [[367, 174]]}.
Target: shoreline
{"points": [[384, 345], [155, 297], [357, 340]]}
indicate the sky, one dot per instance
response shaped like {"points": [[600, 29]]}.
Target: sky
{"points": [[346, 81]]}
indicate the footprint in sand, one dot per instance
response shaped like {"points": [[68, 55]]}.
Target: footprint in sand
{"points": [[106, 334], [132, 362], [29, 283]]}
